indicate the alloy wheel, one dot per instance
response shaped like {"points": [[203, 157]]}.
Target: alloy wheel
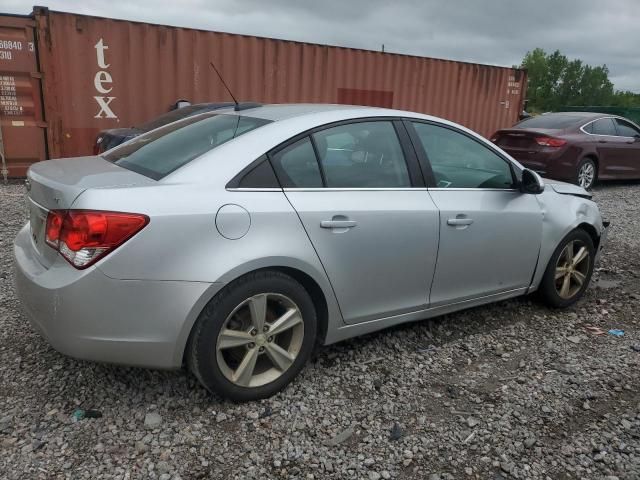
{"points": [[572, 269], [586, 175], [260, 340]]}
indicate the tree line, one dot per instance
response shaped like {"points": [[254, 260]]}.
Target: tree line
{"points": [[556, 81]]}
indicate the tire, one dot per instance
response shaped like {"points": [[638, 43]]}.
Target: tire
{"points": [[587, 174], [224, 344], [552, 290]]}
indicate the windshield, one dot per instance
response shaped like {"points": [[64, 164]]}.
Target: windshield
{"points": [[157, 153], [553, 122]]}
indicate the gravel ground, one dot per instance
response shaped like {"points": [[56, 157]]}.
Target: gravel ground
{"points": [[512, 390]]}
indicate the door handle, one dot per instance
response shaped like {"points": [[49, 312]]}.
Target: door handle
{"points": [[338, 223], [602, 141], [457, 222]]}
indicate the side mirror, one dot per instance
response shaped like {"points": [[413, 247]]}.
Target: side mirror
{"points": [[531, 182], [637, 138]]}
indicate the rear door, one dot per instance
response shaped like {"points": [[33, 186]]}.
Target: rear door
{"points": [[358, 191], [629, 151], [490, 232], [610, 148]]}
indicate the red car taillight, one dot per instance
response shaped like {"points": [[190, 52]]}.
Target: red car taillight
{"points": [[85, 236], [550, 142]]}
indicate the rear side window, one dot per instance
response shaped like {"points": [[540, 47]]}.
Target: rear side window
{"points": [[362, 155], [296, 165], [459, 161], [160, 152], [625, 129], [258, 176], [604, 126]]}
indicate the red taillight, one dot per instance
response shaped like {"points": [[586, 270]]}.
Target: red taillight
{"points": [[550, 142], [85, 236], [52, 231]]}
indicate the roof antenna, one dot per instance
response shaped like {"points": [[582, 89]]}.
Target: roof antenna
{"points": [[237, 107]]}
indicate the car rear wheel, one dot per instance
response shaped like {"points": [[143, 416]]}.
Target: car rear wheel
{"points": [[569, 271], [254, 337], [587, 173]]}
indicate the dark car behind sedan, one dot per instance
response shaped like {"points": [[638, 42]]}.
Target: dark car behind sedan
{"points": [[107, 139], [578, 147]]}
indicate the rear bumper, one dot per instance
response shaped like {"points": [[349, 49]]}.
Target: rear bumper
{"points": [[87, 315]]}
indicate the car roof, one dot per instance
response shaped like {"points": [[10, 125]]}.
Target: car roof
{"points": [[583, 115], [285, 121], [285, 111]]}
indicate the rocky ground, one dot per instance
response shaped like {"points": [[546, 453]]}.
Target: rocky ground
{"points": [[512, 390]]}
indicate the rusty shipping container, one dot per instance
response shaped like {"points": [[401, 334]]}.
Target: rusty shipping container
{"points": [[64, 77]]}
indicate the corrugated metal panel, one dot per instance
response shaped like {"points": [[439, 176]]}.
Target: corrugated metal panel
{"points": [[21, 126], [103, 73]]}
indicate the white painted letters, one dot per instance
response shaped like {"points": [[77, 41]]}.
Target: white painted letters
{"points": [[100, 78], [102, 82], [100, 48]]}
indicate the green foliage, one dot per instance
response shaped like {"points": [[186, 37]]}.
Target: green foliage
{"points": [[554, 80]]}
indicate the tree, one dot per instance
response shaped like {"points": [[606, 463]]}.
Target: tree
{"points": [[556, 81]]}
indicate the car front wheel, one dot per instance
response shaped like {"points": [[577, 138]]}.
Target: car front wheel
{"points": [[254, 337], [569, 270]]}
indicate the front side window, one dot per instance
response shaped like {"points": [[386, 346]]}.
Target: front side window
{"points": [[625, 129], [458, 161], [362, 155], [604, 126], [161, 151]]}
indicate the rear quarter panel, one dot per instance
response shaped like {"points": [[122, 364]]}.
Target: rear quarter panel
{"points": [[181, 241]]}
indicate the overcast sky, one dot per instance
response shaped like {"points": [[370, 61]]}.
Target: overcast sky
{"points": [[497, 32]]}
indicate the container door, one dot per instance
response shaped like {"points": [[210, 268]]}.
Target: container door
{"points": [[22, 138]]}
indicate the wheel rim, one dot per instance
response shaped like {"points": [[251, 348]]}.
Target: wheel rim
{"points": [[572, 269], [260, 340], [586, 175]]}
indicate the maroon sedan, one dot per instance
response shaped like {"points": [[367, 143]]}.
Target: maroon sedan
{"points": [[578, 147]]}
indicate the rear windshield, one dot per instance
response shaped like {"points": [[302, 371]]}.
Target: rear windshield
{"points": [[552, 122], [173, 116], [160, 152]]}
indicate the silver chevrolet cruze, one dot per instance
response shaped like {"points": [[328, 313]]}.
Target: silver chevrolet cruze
{"points": [[236, 241]]}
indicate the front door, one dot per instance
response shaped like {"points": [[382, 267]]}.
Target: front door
{"points": [[490, 233], [374, 231]]}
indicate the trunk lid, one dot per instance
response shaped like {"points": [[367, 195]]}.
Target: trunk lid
{"points": [[521, 144], [522, 139], [55, 185]]}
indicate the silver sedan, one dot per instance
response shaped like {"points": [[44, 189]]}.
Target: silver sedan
{"points": [[236, 241]]}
